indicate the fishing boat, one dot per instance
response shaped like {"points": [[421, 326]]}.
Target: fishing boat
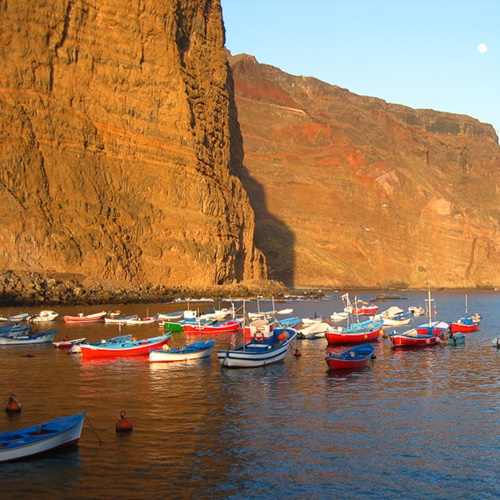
{"points": [[256, 354], [196, 350], [356, 357], [226, 326], [413, 338], [44, 316], [395, 316], [14, 327], [339, 316], [15, 317], [41, 438], [75, 348], [457, 338], [27, 338], [433, 326], [173, 317], [171, 326], [313, 331], [361, 308], [141, 321], [67, 343], [355, 333], [125, 348], [119, 320], [89, 318], [466, 324]]}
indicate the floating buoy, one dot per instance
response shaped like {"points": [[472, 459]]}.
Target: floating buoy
{"points": [[13, 405], [124, 424], [297, 353]]}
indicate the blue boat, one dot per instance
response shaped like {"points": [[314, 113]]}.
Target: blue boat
{"points": [[255, 353], [196, 350], [26, 338], [75, 349], [41, 438]]}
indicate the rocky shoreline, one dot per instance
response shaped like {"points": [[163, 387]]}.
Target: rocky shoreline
{"points": [[26, 288]]}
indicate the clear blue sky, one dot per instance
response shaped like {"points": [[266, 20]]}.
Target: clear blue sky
{"points": [[419, 53]]}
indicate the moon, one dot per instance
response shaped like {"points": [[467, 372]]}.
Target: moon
{"points": [[482, 48]]}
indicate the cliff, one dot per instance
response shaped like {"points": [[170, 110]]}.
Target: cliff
{"points": [[351, 191], [121, 152]]}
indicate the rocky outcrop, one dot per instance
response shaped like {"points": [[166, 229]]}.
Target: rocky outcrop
{"points": [[121, 152], [351, 191]]}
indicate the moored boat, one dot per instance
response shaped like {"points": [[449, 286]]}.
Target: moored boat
{"points": [[256, 354], [466, 324], [124, 348], [88, 318], [75, 348], [41, 438], [226, 326], [44, 316], [457, 338], [67, 343], [196, 350], [313, 331], [141, 321], [413, 338], [354, 358], [15, 317], [119, 320], [27, 338], [355, 333]]}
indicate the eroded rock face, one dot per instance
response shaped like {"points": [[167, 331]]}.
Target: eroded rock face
{"points": [[351, 191], [121, 152]]}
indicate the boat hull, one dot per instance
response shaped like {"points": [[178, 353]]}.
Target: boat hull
{"points": [[463, 327], [91, 318], [420, 340], [43, 438]]}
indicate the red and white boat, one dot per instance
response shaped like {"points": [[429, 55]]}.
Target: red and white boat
{"points": [[467, 324], [227, 326], [412, 338], [364, 309], [68, 344], [129, 347], [82, 318], [355, 333]]}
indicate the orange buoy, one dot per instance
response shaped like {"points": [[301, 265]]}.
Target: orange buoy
{"points": [[13, 405], [124, 424], [297, 353]]}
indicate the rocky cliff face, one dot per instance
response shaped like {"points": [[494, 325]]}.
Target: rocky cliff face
{"points": [[351, 191], [121, 153]]}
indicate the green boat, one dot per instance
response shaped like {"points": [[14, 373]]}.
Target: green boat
{"points": [[170, 326]]}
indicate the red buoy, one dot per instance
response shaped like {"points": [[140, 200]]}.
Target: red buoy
{"points": [[297, 353], [124, 424], [13, 405]]}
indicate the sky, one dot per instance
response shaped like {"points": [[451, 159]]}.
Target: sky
{"points": [[434, 54]]}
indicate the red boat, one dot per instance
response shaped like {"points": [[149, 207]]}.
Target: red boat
{"points": [[354, 358], [411, 338], [364, 310], [356, 333], [89, 318], [466, 325], [227, 326], [124, 348]]}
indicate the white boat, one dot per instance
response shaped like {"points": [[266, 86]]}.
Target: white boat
{"points": [[311, 321], [285, 311], [15, 317], [44, 316], [256, 354], [313, 331], [120, 320], [416, 310], [395, 316], [339, 316], [171, 317], [41, 438], [68, 344], [197, 350], [141, 321]]}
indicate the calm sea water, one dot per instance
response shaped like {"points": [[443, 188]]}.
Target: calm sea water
{"points": [[414, 424]]}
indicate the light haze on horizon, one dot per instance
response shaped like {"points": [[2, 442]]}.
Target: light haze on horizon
{"points": [[432, 54]]}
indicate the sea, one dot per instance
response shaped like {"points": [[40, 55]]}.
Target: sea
{"points": [[415, 424]]}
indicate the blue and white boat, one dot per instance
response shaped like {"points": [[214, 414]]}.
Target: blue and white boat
{"points": [[41, 438], [26, 338], [257, 353], [196, 350]]}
